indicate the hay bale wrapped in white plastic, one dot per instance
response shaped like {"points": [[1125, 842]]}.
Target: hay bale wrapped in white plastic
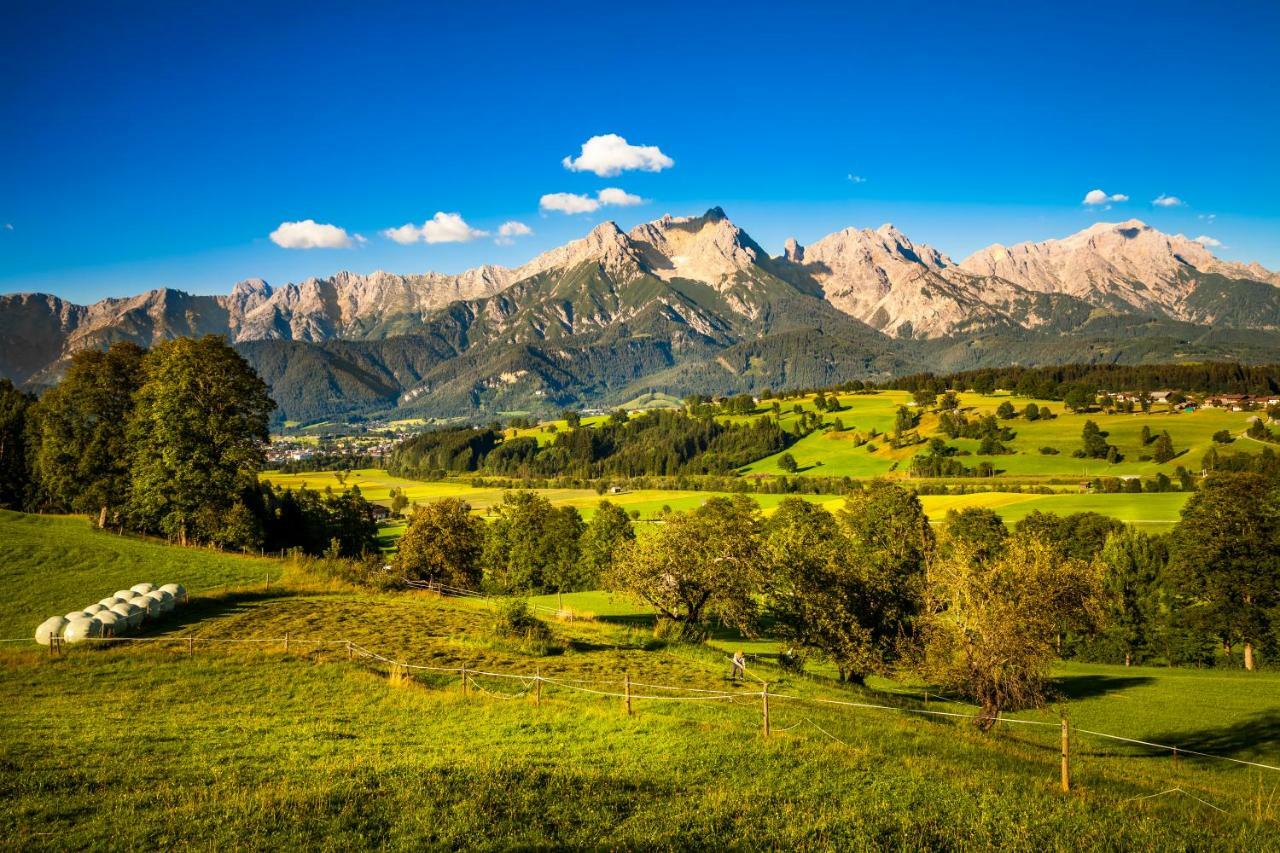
{"points": [[129, 612], [164, 599], [110, 601], [113, 624], [142, 588], [74, 614], [50, 628], [125, 594], [79, 630], [94, 609], [178, 591], [149, 605]]}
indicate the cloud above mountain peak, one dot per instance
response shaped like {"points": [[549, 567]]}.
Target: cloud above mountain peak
{"points": [[309, 234], [441, 228], [609, 154]]}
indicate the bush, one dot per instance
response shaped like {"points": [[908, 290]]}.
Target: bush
{"points": [[673, 631], [515, 621], [1050, 451], [372, 571]]}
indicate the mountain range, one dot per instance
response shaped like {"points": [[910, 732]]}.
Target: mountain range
{"points": [[687, 304]]}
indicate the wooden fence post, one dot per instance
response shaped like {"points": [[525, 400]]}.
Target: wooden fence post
{"points": [[266, 584], [764, 706], [626, 683], [350, 651], [537, 687], [191, 646], [463, 672], [1066, 757], [286, 642]]}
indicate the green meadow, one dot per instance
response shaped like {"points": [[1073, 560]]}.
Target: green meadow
{"points": [[1155, 512], [247, 745], [835, 454]]}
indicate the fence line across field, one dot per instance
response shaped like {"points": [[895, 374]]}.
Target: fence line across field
{"points": [[535, 682]]}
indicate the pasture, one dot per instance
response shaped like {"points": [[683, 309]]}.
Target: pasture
{"points": [[836, 454], [53, 564], [246, 745], [1153, 512]]}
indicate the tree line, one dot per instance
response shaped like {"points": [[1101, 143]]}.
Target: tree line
{"points": [[1057, 383], [661, 443], [529, 546], [982, 609], [166, 441]]}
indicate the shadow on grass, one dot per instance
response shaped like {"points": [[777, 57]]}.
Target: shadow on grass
{"points": [[212, 606], [1089, 686], [629, 620], [1256, 738]]}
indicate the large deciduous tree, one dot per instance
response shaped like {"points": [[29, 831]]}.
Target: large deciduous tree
{"points": [[198, 432], [886, 545], [1133, 595], [605, 534], [82, 462], [992, 621], [442, 543], [698, 564], [1224, 558], [532, 545], [815, 594]]}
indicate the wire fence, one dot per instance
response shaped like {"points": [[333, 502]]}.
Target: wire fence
{"points": [[658, 692]]}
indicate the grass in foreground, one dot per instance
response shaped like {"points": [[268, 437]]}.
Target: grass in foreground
{"points": [[252, 747]]}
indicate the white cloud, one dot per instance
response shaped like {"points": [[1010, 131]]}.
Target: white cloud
{"points": [[1096, 197], [610, 154], [1163, 200], [404, 234], [568, 203], [309, 234], [8, 226], [574, 203], [856, 179], [1206, 240], [1207, 217], [441, 228], [449, 228], [508, 231], [618, 198]]}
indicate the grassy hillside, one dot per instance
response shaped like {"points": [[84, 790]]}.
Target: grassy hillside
{"points": [[835, 454], [55, 564], [249, 746]]}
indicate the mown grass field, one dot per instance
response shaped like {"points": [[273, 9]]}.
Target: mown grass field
{"points": [[834, 454], [247, 746], [51, 565], [1151, 511]]}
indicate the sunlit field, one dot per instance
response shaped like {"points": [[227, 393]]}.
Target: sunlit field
{"points": [[247, 744], [835, 453]]}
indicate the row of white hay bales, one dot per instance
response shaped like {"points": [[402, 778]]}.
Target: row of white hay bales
{"points": [[113, 616]]}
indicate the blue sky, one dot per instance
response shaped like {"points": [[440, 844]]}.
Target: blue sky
{"points": [[158, 144]]}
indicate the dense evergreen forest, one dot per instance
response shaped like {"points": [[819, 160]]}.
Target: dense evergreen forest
{"points": [[659, 443], [1054, 383]]}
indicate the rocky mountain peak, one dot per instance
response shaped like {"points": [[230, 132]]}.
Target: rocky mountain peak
{"points": [[707, 248], [793, 251]]}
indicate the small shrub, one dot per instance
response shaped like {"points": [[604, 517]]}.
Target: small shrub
{"points": [[1050, 451], [514, 621], [672, 631]]}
